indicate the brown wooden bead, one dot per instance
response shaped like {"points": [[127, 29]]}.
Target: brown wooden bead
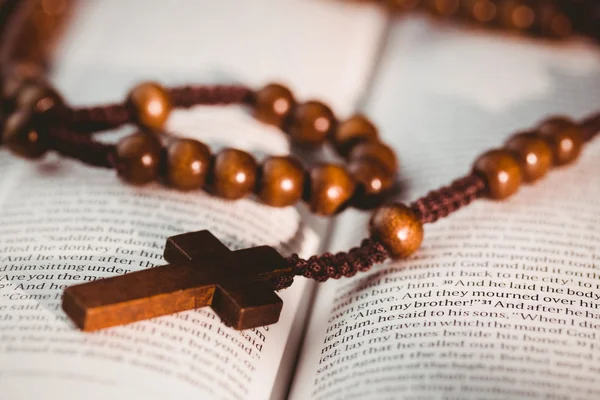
{"points": [[352, 131], [376, 151], [281, 182], [311, 123], [551, 22], [234, 174], [273, 104], [481, 11], [38, 97], [373, 181], [533, 154], [138, 158], [402, 5], [21, 136], [501, 172], [18, 76], [564, 137], [188, 163], [397, 227], [150, 105], [515, 14], [443, 8], [331, 186]]}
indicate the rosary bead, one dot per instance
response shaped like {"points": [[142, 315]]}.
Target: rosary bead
{"points": [[273, 104], [38, 97], [532, 153], [481, 11], [564, 137], [501, 173], [138, 158], [397, 227], [373, 181], [311, 123], [444, 8], [150, 105], [352, 131], [515, 14], [21, 136], [551, 22], [17, 77], [376, 151], [281, 181], [234, 174], [188, 162], [331, 187]]}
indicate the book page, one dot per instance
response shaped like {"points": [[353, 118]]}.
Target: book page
{"points": [[64, 223], [502, 299]]}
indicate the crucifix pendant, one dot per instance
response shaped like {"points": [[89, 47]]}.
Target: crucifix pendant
{"points": [[202, 271]]}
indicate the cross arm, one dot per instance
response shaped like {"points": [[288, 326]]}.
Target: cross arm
{"points": [[136, 296], [193, 246]]}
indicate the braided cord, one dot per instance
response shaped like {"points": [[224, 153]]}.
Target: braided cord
{"points": [[435, 205], [442, 202], [87, 120], [189, 96], [81, 147], [591, 127]]}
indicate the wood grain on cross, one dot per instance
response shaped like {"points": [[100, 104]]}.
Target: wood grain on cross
{"points": [[202, 271]]}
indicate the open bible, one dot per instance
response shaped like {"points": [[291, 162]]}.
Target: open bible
{"points": [[501, 301]]}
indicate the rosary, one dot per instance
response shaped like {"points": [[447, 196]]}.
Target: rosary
{"points": [[240, 285]]}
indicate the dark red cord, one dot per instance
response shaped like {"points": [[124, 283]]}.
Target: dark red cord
{"points": [[591, 127], [100, 118], [87, 120], [73, 140], [435, 205], [443, 201], [335, 266], [81, 147], [189, 96]]}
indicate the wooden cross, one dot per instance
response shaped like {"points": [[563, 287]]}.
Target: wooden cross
{"points": [[202, 271]]}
